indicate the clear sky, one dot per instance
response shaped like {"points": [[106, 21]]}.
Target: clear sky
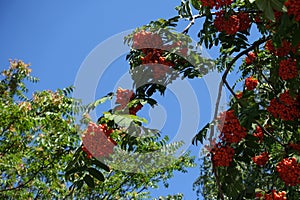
{"points": [[56, 36]]}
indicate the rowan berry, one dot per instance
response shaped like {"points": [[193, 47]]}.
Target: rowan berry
{"points": [[261, 159], [251, 83], [259, 133], [227, 24], [250, 58], [293, 8], [230, 127], [285, 107], [244, 21], [288, 69], [274, 195], [144, 39], [97, 141], [289, 171], [222, 156]]}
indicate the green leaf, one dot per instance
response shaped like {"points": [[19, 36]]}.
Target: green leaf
{"points": [[74, 170], [201, 134], [93, 105], [89, 181], [251, 1], [96, 174], [100, 164], [278, 5], [196, 4]]}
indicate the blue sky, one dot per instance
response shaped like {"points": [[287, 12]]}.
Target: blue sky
{"points": [[56, 36]]}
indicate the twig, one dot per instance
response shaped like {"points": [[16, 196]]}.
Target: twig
{"points": [[192, 22]]}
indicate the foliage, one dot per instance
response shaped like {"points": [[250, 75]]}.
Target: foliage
{"points": [[38, 135]]}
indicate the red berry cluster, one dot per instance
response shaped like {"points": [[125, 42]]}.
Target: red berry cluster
{"points": [[244, 21], [274, 195], [259, 134], [222, 155], [97, 141], [89, 155], [288, 69], [124, 96], [289, 171], [215, 3], [283, 50], [233, 23], [293, 8], [251, 83], [250, 58], [295, 146], [230, 127], [160, 66], [261, 159], [285, 107], [239, 95], [144, 39]]}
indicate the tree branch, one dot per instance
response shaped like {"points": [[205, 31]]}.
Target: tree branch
{"points": [[192, 22]]}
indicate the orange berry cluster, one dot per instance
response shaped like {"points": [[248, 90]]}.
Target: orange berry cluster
{"points": [[259, 134], [230, 127], [151, 44], [293, 8], [274, 195], [239, 95], [288, 69], [97, 141], [251, 83], [250, 58], [222, 155], [215, 3], [160, 66], [285, 108], [144, 39], [233, 23], [289, 171], [261, 159], [124, 96]]}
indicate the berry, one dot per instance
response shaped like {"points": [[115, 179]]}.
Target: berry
{"points": [[229, 25], [295, 146], [124, 96], [259, 134], [230, 127], [275, 195], [250, 58], [244, 21], [289, 171], [89, 155], [222, 156], [283, 50], [215, 3], [261, 159], [288, 69], [285, 107], [144, 39], [251, 83], [293, 8], [97, 141], [239, 95]]}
